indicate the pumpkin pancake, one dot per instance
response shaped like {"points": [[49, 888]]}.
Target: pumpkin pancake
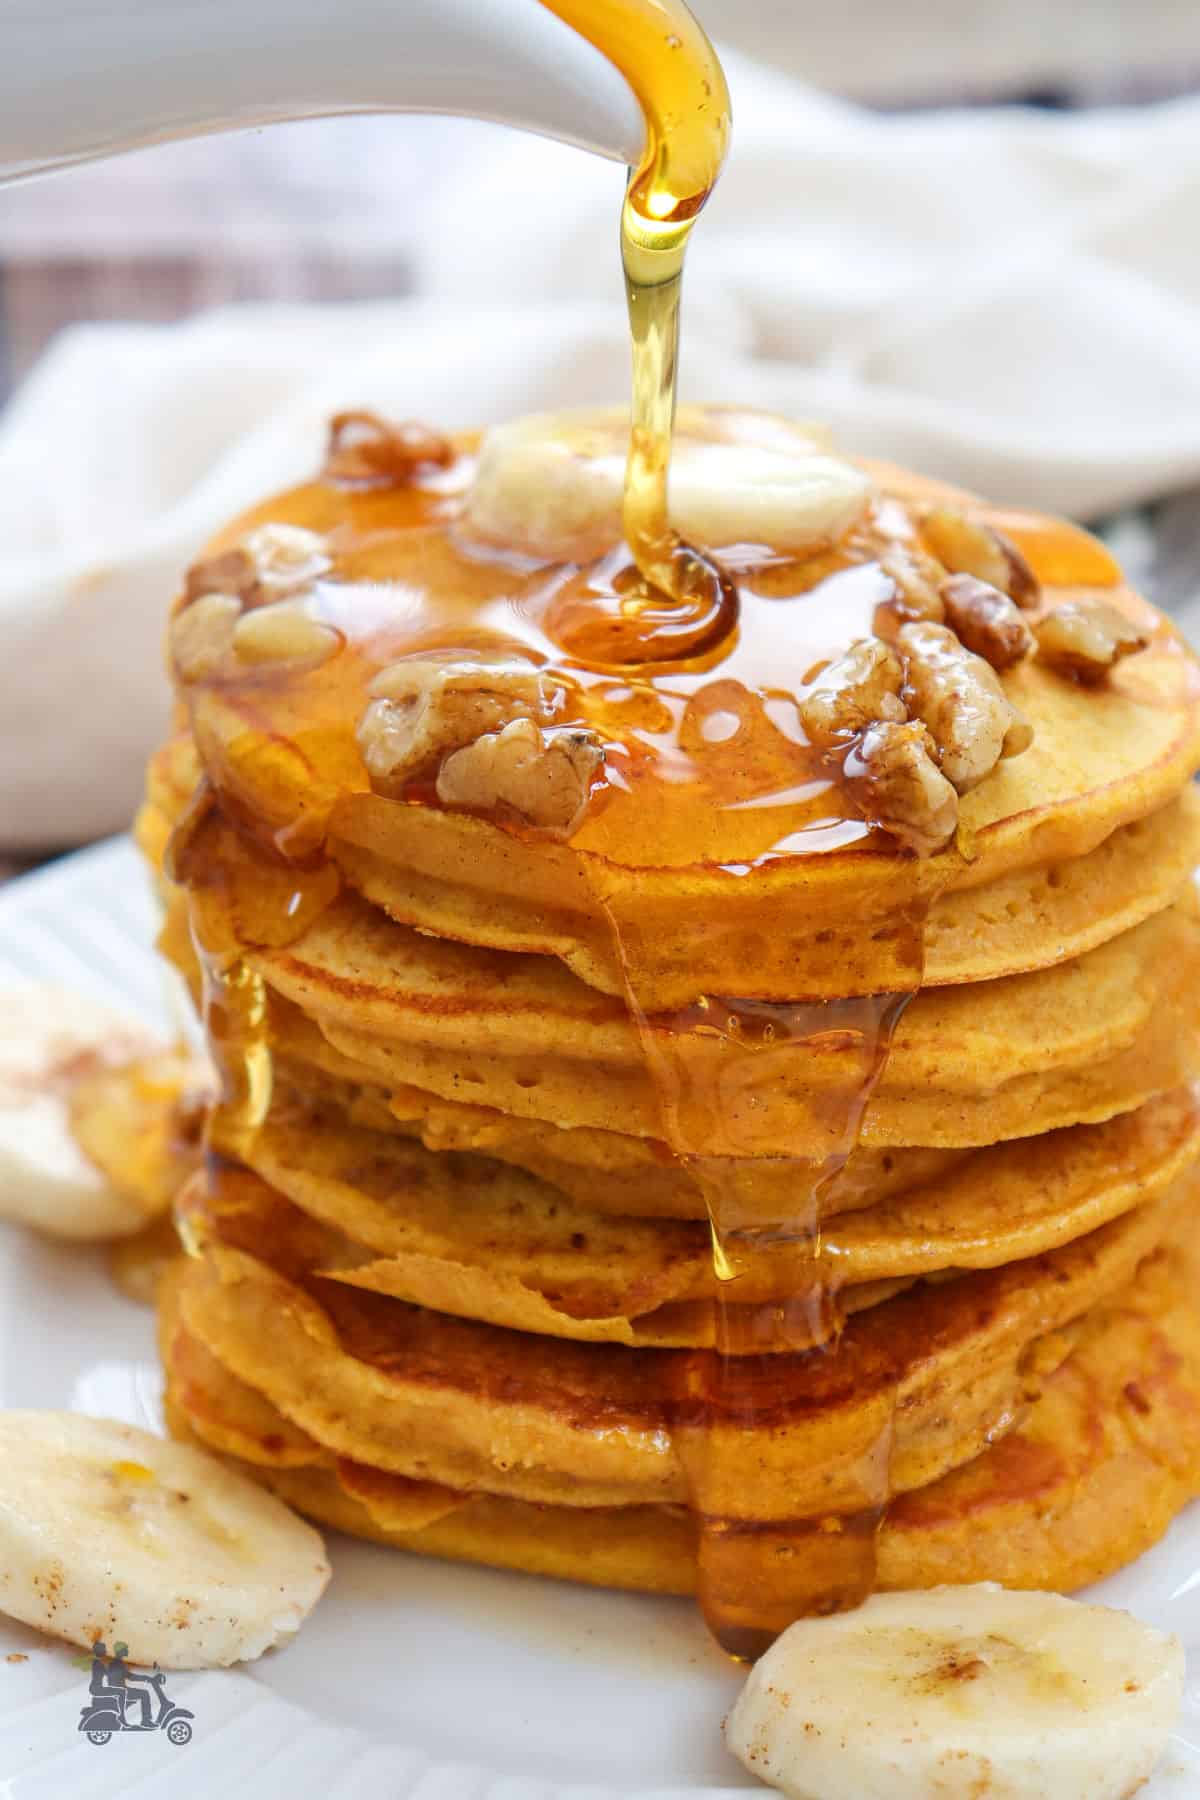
{"points": [[608, 1171], [1090, 1477], [967, 1065], [784, 1108], [473, 1406], [1024, 920], [592, 1165], [718, 886], [469, 1236]]}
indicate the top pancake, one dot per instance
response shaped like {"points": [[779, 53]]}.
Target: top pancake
{"points": [[708, 882], [1022, 921]]}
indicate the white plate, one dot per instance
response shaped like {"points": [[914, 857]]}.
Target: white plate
{"points": [[413, 1679]]}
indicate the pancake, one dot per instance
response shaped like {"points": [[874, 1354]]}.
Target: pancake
{"points": [[469, 1236], [1095, 771], [1091, 1476], [1031, 916], [608, 1171], [967, 1065], [789, 1112], [1068, 1044], [612, 1172], [1023, 920], [592, 1165], [674, 870], [472, 1406]]}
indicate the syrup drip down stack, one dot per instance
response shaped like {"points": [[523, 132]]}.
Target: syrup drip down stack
{"points": [[706, 1113]]}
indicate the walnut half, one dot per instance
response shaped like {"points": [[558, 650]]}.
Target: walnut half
{"points": [[969, 547], [894, 781], [915, 580], [422, 710], [284, 632], [201, 635], [543, 776], [959, 698], [1085, 642], [986, 621], [487, 735], [857, 689], [366, 451], [270, 562]]}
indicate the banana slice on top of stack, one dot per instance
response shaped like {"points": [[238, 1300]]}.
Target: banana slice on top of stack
{"points": [[551, 484]]}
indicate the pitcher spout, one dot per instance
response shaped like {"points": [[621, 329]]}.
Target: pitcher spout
{"points": [[89, 78]]}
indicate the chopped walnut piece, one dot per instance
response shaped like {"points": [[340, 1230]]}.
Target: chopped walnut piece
{"points": [[422, 710], [201, 635], [857, 689], [969, 547], [367, 451], [892, 777], [286, 558], [284, 632], [271, 561], [232, 572], [915, 580], [960, 700], [986, 621], [544, 776], [1086, 641]]}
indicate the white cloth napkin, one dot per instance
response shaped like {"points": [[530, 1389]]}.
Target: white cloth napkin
{"points": [[1009, 299]]}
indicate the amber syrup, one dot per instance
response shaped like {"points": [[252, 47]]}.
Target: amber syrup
{"points": [[679, 83]]}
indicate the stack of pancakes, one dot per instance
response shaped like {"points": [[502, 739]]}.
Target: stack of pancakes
{"points": [[452, 1283]]}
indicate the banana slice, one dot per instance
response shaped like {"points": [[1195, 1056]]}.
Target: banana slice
{"points": [[107, 1532], [50, 1040], [550, 485], [959, 1692]]}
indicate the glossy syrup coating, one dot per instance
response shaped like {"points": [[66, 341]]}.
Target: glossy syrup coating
{"points": [[680, 85], [706, 762]]}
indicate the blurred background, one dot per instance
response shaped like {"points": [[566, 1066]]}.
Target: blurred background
{"points": [[330, 209], [347, 209]]}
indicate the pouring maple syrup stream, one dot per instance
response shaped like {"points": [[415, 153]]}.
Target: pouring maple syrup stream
{"points": [[678, 597]]}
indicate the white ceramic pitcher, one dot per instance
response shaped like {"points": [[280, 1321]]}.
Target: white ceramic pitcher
{"points": [[85, 78]]}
